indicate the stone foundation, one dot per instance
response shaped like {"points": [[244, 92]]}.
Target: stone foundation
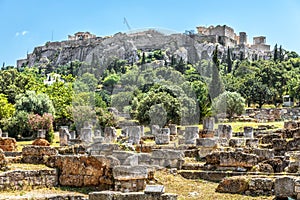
{"points": [[29, 179], [110, 195]]}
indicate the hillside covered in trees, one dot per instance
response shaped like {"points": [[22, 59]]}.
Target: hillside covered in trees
{"points": [[156, 87]]}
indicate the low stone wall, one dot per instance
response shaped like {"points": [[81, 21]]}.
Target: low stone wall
{"points": [[282, 187], [27, 179], [37, 154], [106, 195], [3, 161], [84, 170]]}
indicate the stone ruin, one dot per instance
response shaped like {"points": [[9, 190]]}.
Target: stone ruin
{"points": [[253, 162]]}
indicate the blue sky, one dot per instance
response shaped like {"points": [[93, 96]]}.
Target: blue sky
{"points": [[29, 23]]}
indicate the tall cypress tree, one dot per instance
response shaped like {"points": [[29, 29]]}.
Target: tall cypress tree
{"points": [[280, 54], [143, 59], [229, 61], [275, 53], [216, 86], [215, 57]]}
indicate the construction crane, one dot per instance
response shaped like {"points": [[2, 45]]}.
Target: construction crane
{"points": [[126, 22]]}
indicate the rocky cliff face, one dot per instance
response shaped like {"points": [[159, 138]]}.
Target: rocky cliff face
{"points": [[124, 46]]}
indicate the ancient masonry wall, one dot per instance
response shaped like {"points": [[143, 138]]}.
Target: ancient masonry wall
{"points": [[29, 179]]}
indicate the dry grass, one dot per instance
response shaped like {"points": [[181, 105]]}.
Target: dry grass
{"points": [[197, 189]]}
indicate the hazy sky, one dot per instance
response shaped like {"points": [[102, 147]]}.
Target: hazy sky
{"points": [[29, 23]]}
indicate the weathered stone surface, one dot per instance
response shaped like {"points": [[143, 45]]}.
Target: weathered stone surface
{"points": [[8, 144], [233, 185], [264, 154], [232, 159], [134, 134], [237, 159], [290, 125], [224, 131], [28, 179], [155, 129], [263, 167], [64, 136], [167, 158], [277, 164], [3, 160], [261, 186], [173, 129], [40, 142], [206, 142], [83, 170], [252, 143], [248, 132], [130, 178], [293, 145], [209, 123], [279, 144], [127, 172], [110, 134], [86, 135], [115, 195], [191, 134], [102, 149], [37, 154], [237, 142], [284, 186], [122, 155], [162, 136], [267, 139]]}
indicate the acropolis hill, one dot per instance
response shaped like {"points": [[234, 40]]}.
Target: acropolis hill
{"points": [[190, 46]]}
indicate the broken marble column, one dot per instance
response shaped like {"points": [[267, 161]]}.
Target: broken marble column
{"points": [[191, 134], [86, 135], [224, 131], [134, 134], [248, 132], [110, 134], [163, 137], [64, 136], [173, 129]]}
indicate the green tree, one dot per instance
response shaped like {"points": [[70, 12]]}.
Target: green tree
{"points": [[110, 81], [35, 103], [6, 109], [230, 103], [275, 56], [169, 104], [229, 61]]}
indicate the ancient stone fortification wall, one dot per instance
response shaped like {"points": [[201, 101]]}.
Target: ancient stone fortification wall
{"points": [[29, 179]]}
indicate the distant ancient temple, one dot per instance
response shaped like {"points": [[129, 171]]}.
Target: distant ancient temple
{"points": [[81, 36]]}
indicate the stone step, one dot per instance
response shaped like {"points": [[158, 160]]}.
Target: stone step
{"points": [[193, 166], [217, 176], [46, 196]]}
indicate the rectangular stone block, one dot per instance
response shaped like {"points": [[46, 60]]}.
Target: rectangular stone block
{"points": [[206, 142]]}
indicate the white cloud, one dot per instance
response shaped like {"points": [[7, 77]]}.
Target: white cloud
{"points": [[21, 33], [24, 32]]}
